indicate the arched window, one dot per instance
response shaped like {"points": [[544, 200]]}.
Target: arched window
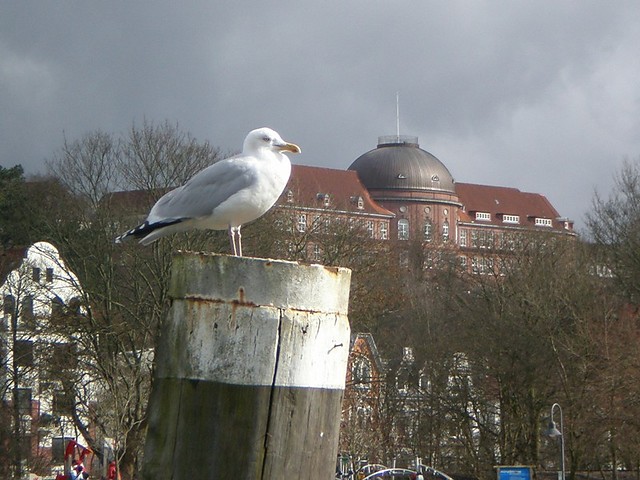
{"points": [[427, 231], [445, 231], [361, 372], [403, 229], [9, 305]]}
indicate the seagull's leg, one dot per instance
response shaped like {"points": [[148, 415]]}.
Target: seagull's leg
{"points": [[233, 241], [239, 240]]}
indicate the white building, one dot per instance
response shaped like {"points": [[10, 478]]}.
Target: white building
{"points": [[33, 354]]}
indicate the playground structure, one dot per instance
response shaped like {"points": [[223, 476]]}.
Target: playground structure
{"points": [[345, 470]]}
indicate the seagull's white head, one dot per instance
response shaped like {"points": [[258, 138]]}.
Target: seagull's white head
{"points": [[266, 138]]}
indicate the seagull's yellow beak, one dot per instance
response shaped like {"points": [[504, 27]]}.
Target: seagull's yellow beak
{"points": [[290, 147]]}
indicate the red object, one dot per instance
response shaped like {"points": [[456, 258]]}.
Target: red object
{"points": [[111, 473], [70, 447], [70, 452]]}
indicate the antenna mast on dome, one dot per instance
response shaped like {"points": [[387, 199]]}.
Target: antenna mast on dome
{"points": [[398, 116]]}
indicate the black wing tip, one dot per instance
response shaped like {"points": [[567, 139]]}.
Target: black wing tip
{"points": [[144, 229]]}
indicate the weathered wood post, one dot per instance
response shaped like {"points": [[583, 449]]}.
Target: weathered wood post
{"points": [[250, 371]]}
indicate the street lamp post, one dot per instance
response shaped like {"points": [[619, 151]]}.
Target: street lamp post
{"points": [[553, 432]]}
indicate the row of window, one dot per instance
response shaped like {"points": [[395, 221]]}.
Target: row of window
{"points": [[325, 198], [324, 224], [26, 313], [404, 230], [477, 238], [514, 219], [58, 355], [37, 274], [489, 239], [62, 403]]}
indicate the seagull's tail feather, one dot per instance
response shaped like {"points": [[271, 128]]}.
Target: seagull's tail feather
{"points": [[149, 232]]}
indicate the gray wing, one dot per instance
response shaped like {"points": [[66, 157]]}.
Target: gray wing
{"points": [[204, 191]]}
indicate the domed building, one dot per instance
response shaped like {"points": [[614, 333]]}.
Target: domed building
{"points": [[414, 185], [405, 193]]}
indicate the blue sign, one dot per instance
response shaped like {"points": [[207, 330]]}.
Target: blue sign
{"points": [[514, 473]]}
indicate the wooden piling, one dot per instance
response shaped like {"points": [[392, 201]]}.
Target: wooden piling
{"points": [[250, 371]]}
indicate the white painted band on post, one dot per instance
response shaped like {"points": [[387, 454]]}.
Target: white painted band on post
{"points": [[301, 341], [259, 281]]}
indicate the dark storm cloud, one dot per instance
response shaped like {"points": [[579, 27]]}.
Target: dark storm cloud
{"points": [[539, 95]]}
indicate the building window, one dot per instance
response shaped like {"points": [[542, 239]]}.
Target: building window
{"points": [[543, 222], [360, 203], [483, 216], [482, 239], [62, 403], [508, 242], [463, 262], [317, 252], [482, 265], [289, 196], [302, 222], [325, 197], [403, 229], [49, 276], [370, 229], [9, 305], [511, 219], [361, 373], [26, 313], [384, 230], [57, 307], [23, 400], [403, 260], [36, 274], [326, 224], [463, 237], [445, 231], [23, 353], [63, 356], [428, 228]]}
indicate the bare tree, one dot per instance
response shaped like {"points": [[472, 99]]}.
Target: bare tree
{"points": [[125, 296], [614, 225], [158, 157]]}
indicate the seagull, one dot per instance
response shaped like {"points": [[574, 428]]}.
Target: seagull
{"points": [[226, 194]]}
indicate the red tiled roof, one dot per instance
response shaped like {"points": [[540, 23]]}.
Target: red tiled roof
{"points": [[499, 201], [308, 186]]}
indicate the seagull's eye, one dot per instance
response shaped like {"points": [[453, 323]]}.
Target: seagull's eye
{"points": [[266, 139]]}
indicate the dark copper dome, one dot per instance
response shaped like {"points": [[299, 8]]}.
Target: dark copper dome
{"points": [[398, 163]]}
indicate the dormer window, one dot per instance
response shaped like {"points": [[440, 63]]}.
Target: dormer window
{"points": [[484, 216], [543, 222], [289, 196], [511, 219], [325, 198], [358, 200]]}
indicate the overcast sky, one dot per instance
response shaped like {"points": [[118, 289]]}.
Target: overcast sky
{"points": [[539, 95]]}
